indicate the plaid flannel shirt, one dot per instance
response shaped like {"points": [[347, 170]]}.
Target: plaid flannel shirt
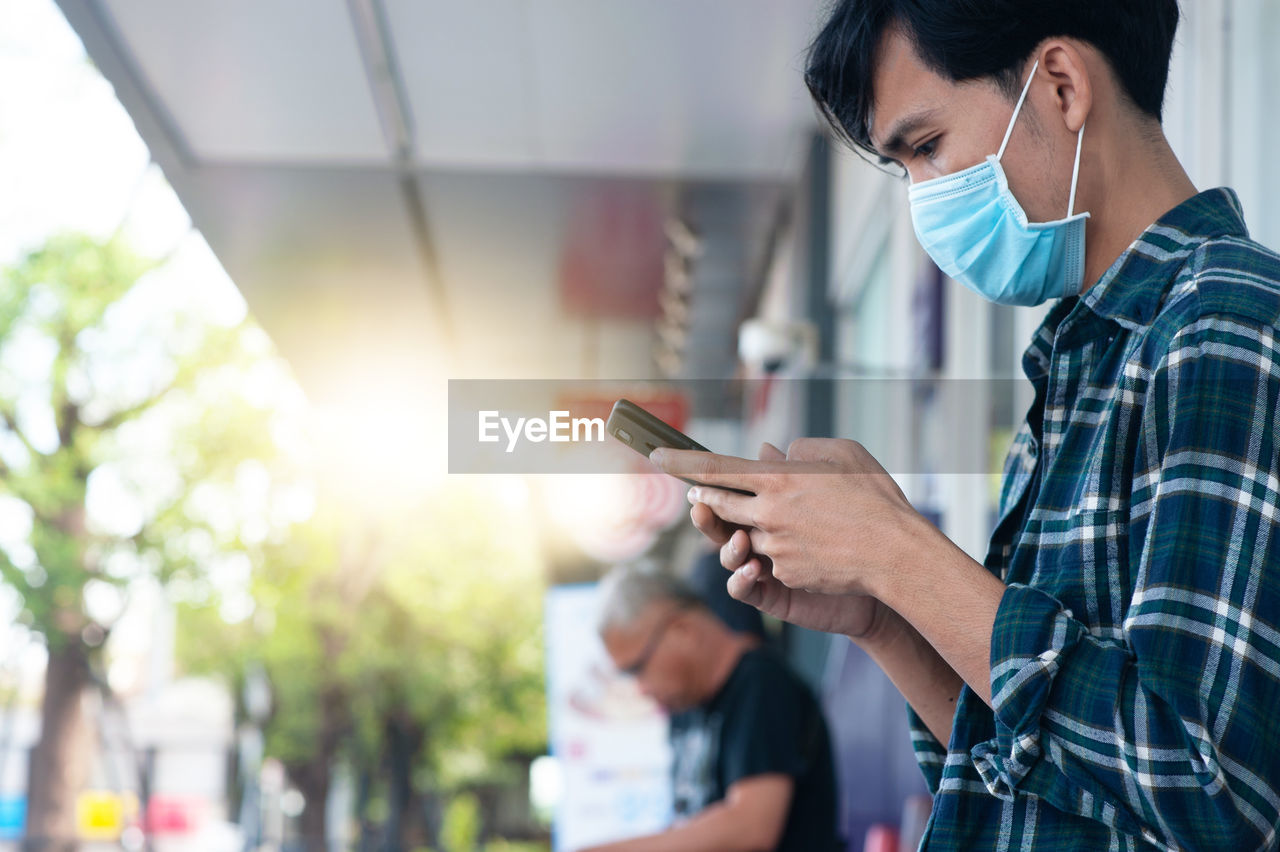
{"points": [[1135, 661]]}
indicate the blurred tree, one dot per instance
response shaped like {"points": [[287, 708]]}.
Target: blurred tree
{"points": [[448, 667], [407, 648], [105, 402]]}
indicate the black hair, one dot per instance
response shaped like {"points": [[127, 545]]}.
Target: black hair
{"points": [[972, 39]]}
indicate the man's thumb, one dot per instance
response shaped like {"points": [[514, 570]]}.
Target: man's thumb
{"points": [[768, 452]]}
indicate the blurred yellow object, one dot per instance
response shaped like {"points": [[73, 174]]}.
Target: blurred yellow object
{"points": [[102, 815]]}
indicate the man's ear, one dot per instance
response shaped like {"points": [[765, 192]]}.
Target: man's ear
{"points": [[1063, 62]]}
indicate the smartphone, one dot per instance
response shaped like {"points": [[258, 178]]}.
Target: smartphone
{"points": [[644, 433]]}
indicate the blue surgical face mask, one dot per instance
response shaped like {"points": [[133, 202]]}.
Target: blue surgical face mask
{"points": [[977, 232]]}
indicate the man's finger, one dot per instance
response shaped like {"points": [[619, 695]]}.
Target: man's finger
{"points": [[736, 550], [713, 469], [727, 505], [706, 522], [768, 452], [742, 584]]}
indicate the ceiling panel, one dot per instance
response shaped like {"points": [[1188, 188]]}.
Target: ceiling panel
{"points": [[466, 69], [543, 101], [256, 80], [325, 258], [684, 87], [692, 88], [676, 88]]}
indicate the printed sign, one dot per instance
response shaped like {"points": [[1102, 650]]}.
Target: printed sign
{"points": [[610, 741]]}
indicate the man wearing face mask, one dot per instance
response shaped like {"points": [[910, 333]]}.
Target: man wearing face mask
{"points": [[1105, 679]]}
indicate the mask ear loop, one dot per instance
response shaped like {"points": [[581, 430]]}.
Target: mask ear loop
{"points": [[1017, 109], [1075, 172]]}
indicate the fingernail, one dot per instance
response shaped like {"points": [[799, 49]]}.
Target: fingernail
{"points": [[656, 456], [695, 495]]}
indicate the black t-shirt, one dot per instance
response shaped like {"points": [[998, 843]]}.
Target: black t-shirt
{"points": [[763, 720]]}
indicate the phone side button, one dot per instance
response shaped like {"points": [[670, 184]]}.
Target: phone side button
{"points": [[623, 435]]}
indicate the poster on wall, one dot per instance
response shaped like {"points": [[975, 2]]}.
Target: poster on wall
{"points": [[609, 740]]}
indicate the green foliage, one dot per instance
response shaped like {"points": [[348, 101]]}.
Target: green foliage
{"points": [[461, 829], [426, 622], [429, 620], [460, 602], [90, 372], [125, 436]]}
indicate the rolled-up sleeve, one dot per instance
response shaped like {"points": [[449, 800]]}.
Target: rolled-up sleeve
{"points": [[1165, 730], [930, 754]]}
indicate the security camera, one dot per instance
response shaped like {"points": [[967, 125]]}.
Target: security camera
{"points": [[775, 345]]}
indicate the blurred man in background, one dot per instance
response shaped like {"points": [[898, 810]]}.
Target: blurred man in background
{"points": [[752, 766]]}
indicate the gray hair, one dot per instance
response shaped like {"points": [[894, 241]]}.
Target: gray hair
{"points": [[627, 591]]}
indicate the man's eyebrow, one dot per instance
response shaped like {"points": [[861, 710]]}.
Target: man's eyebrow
{"points": [[904, 127]]}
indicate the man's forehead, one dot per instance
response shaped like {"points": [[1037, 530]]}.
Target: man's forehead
{"points": [[905, 91], [640, 622], [619, 643]]}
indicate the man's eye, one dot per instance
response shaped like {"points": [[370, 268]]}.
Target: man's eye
{"points": [[927, 149]]}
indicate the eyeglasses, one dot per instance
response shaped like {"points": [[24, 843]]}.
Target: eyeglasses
{"points": [[637, 668]]}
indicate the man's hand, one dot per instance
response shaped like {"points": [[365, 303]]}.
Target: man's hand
{"points": [[827, 540], [750, 818], [753, 582], [824, 519]]}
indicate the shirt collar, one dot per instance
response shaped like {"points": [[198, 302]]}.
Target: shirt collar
{"points": [[1131, 292], [1036, 358], [1133, 289]]}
